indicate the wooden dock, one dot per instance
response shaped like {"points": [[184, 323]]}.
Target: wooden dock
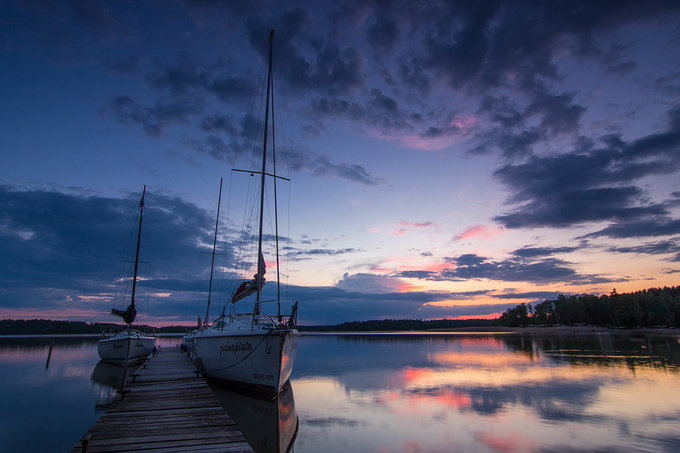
{"points": [[166, 408]]}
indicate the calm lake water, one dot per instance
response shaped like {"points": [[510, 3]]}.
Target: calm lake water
{"points": [[594, 392]]}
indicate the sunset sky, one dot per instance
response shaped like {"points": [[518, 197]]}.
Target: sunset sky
{"points": [[447, 159]]}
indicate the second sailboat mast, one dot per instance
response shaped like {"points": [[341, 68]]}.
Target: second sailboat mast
{"points": [[260, 258], [212, 264]]}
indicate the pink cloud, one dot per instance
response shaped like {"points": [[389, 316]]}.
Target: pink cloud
{"points": [[458, 127], [464, 123], [481, 231], [397, 264], [374, 283], [379, 269], [402, 265], [419, 142], [406, 224], [67, 314]]}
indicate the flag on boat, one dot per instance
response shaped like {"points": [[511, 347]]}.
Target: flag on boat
{"points": [[248, 287]]}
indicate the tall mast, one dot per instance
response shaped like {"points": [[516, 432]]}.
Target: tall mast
{"points": [[276, 213], [212, 264], [256, 311], [139, 235]]}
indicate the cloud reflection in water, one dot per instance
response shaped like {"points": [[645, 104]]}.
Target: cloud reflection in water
{"points": [[495, 393]]}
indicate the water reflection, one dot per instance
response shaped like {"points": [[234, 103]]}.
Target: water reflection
{"points": [[108, 379], [489, 393], [270, 424], [109, 375], [55, 402], [48, 409], [401, 393]]}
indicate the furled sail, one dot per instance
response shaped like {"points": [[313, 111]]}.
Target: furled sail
{"points": [[248, 287], [127, 315]]}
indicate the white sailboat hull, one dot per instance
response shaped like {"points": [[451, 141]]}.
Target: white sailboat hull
{"points": [[115, 349], [257, 359]]}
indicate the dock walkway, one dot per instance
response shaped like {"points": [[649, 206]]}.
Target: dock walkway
{"points": [[166, 409]]}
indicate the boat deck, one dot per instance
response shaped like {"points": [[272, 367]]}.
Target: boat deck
{"points": [[166, 408]]}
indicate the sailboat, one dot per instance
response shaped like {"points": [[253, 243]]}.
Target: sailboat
{"points": [[129, 345], [187, 344], [253, 350]]}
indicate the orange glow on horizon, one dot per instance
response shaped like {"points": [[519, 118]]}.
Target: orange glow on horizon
{"points": [[405, 287], [487, 316]]}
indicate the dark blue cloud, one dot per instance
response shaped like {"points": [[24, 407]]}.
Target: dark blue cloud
{"points": [[593, 185], [231, 89], [480, 46], [486, 48], [330, 69], [302, 254], [650, 227], [477, 267], [331, 305], [179, 78], [528, 264], [153, 119], [532, 252], [64, 251], [59, 242], [538, 295], [383, 34], [323, 166], [652, 248]]}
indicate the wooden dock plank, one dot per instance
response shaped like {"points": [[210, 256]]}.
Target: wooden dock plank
{"points": [[168, 409]]}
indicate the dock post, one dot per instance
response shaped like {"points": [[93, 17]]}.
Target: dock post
{"points": [[84, 441]]}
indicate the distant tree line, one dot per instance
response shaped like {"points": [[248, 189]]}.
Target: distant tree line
{"points": [[647, 308], [399, 325], [51, 327]]}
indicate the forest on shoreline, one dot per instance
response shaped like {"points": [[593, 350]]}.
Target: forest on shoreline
{"points": [[653, 307], [385, 325], [52, 327]]}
